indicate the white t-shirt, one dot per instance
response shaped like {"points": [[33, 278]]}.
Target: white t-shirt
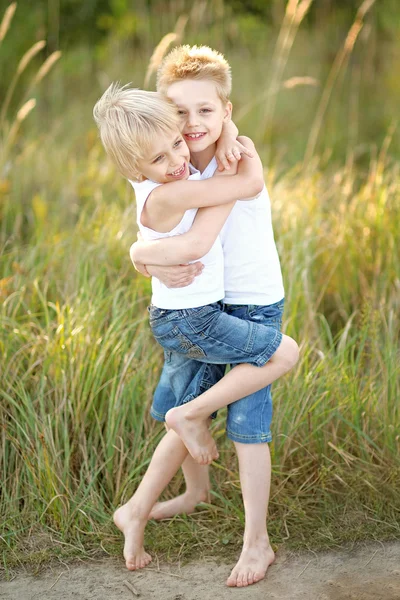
{"points": [[252, 272], [207, 287]]}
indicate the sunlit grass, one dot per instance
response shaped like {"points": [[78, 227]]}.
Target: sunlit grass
{"points": [[78, 364]]}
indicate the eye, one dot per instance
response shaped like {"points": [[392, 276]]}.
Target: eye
{"points": [[158, 159], [178, 143], [181, 113], [205, 110]]}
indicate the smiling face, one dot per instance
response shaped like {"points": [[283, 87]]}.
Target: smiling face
{"points": [[202, 111], [167, 159]]}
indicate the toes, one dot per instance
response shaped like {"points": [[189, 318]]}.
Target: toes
{"points": [[133, 564], [250, 578], [232, 580]]}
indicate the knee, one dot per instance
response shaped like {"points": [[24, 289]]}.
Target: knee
{"points": [[289, 352]]}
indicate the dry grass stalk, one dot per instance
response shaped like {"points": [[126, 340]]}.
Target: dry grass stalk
{"points": [[340, 60], [288, 84], [302, 10], [27, 57], [162, 47], [23, 63], [294, 15], [158, 55], [180, 27], [6, 21], [296, 81], [46, 66], [23, 112]]}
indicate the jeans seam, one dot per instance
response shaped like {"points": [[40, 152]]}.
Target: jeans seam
{"points": [[262, 360], [250, 437]]}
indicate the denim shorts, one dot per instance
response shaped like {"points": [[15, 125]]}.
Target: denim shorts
{"points": [[211, 335], [183, 379]]}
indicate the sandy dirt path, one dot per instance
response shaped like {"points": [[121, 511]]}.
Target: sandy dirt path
{"points": [[371, 572]]}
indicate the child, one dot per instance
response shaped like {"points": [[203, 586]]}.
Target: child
{"points": [[253, 290], [140, 132]]}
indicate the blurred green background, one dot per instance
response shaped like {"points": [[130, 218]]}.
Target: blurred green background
{"points": [[316, 85], [103, 41]]}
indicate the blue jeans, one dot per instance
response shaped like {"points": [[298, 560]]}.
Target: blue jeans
{"points": [[182, 379]]}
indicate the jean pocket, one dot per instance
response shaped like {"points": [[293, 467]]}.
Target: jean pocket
{"points": [[176, 341], [268, 315], [158, 315], [201, 319]]}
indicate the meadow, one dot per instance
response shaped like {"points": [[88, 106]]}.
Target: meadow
{"points": [[78, 364]]}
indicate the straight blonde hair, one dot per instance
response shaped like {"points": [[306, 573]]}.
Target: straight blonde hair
{"points": [[129, 120]]}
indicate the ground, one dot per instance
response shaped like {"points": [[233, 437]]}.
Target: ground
{"points": [[370, 572]]}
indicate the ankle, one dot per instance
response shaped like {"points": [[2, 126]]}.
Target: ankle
{"points": [[256, 539], [136, 511], [199, 494]]}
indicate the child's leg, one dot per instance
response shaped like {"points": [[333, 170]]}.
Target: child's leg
{"points": [[131, 518], [191, 379], [197, 481], [190, 420], [255, 479]]}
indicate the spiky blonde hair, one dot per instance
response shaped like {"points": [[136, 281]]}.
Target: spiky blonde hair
{"points": [[129, 120], [195, 62]]}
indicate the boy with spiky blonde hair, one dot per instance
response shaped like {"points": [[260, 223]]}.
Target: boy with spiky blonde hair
{"points": [[204, 64], [197, 79]]}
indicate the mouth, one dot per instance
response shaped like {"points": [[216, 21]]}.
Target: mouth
{"points": [[178, 173], [192, 137]]}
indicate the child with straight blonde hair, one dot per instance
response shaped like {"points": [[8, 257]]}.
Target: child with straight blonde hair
{"points": [[189, 321]]}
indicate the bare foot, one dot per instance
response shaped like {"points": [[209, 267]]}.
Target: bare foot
{"points": [[252, 564], [194, 433], [132, 526], [184, 504]]}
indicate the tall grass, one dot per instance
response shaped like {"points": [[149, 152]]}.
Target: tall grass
{"points": [[78, 364]]}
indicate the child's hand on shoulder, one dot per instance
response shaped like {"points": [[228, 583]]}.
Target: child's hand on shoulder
{"points": [[229, 148]]}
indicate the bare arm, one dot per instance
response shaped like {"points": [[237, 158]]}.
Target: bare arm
{"points": [[187, 247], [167, 201], [229, 149], [172, 276], [178, 275], [198, 241]]}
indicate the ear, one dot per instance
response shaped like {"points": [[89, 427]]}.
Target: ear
{"points": [[228, 112], [139, 177]]}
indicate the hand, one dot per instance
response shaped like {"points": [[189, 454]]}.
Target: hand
{"points": [[229, 149], [140, 268], [229, 153], [177, 276]]}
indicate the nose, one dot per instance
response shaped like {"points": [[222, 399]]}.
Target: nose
{"points": [[175, 160], [192, 119]]}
